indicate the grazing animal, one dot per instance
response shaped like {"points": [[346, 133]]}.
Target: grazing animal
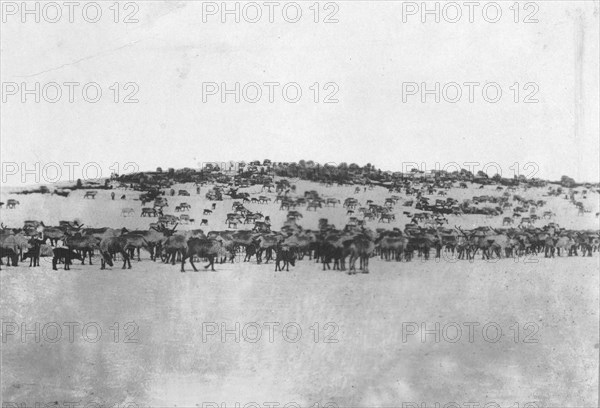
{"points": [[33, 253], [127, 212], [83, 244], [314, 205], [387, 217], [148, 212], [232, 222], [185, 219], [53, 234], [203, 248], [11, 203], [286, 256], [65, 255], [11, 254], [526, 220], [114, 245], [135, 242]]}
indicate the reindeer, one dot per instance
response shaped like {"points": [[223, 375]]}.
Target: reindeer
{"points": [[286, 256], [85, 245], [127, 212], [525, 220], [113, 245], [232, 222], [65, 255], [314, 204], [12, 203], [148, 212], [34, 251], [387, 217], [203, 248]]}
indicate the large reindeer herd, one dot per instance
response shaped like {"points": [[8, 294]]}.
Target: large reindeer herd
{"points": [[370, 229]]}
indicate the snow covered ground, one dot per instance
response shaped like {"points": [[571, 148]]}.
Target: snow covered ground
{"points": [[360, 341]]}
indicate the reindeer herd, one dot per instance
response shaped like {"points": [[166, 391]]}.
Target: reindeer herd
{"points": [[371, 230]]}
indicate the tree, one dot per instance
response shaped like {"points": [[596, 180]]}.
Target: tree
{"points": [[567, 181], [79, 184], [466, 173], [159, 169], [482, 174]]}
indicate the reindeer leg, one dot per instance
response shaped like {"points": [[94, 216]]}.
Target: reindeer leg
{"points": [[192, 263]]}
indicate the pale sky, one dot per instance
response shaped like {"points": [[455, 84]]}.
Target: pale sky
{"points": [[368, 54]]}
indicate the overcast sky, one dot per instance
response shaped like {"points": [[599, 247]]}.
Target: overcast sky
{"points": [[368, 54]]}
